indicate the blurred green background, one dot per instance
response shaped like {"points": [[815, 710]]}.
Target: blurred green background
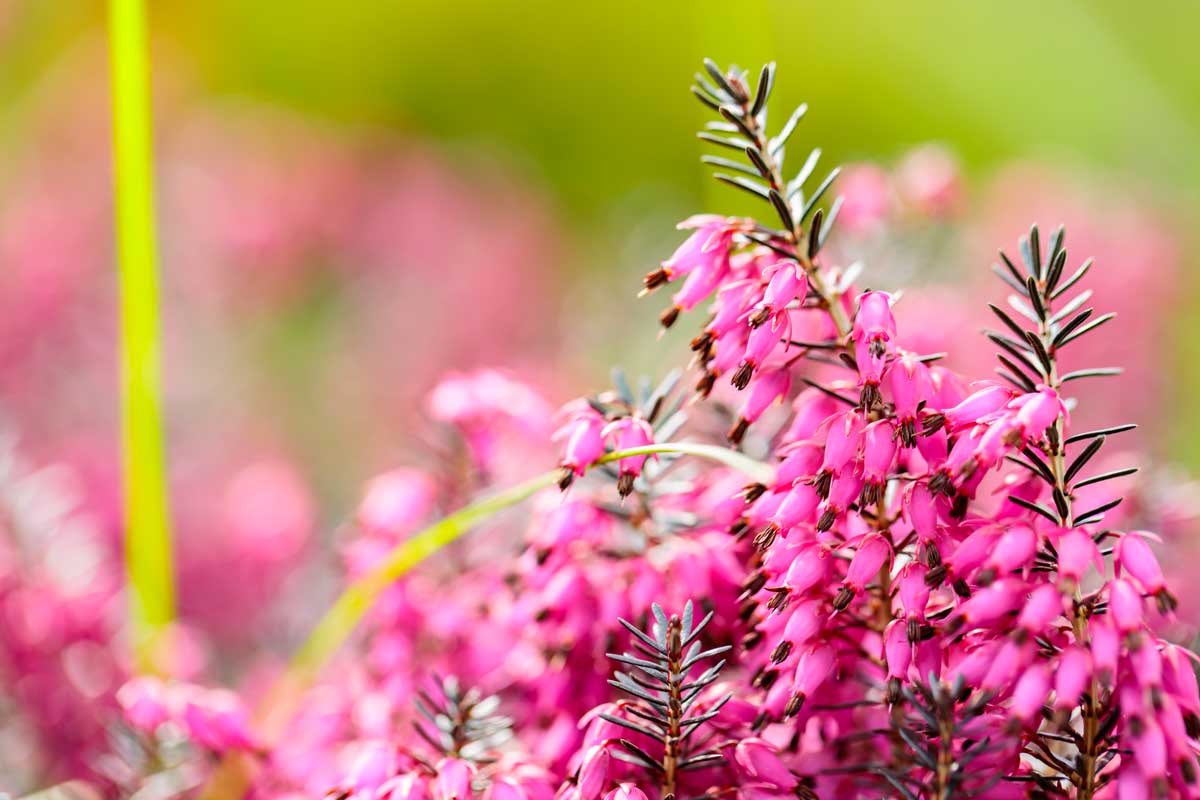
{"points": [[590, 100]]}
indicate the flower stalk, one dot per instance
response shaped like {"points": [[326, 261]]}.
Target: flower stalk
{"points": [[147, 528]]}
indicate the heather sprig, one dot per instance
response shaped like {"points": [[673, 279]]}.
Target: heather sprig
{"points": [[665, 693], [945, 733], [461, 723]]}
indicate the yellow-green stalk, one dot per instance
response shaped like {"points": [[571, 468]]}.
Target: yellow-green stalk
{"points": [[147, 531]]}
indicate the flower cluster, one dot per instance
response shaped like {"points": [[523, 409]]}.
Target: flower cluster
{"points": [[923, 528]]}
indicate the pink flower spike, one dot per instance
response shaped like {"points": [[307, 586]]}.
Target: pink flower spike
{"points": [[910, 385], [807, 569], [584, 433], [1039, 411], [811, 407], [879, 456], [1014, 550], [374, 764], [842, 445], [993, 602], [762, 341], [706, 247], [1106, 647], [872, 555], [920, 509]]}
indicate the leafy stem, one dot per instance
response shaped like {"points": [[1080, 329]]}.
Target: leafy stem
{"points": [[665, 693], [746, 115], [1032, 358]]}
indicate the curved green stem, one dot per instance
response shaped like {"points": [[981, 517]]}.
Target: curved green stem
{"points": [[350, 607], [341, 619]]}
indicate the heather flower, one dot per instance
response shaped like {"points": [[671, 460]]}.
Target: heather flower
{"points": [[629, 433]]}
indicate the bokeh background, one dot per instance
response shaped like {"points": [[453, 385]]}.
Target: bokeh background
{"points": [[582, 114], [358, 198]]}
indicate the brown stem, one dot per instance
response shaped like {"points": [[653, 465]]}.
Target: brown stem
{"points": [[1090, 710], [673, 737]]}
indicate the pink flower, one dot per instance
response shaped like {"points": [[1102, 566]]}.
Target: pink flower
{"points": [[395, 502], [584, 435], [217, 719], [453, 781], [770, 388], [593, 772], [626, 791], [788, 284], [629, 433], [1030, 693], [144, 701], [1072, 677], [760, 761]]}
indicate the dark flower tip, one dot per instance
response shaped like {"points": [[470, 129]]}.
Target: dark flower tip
{"points": [[794, 705], [870, 397], [753, 491], [779, 599], [738, 431], [565, 478], [843, 598], [668, 316], [741, 377], [625, 484], [766, 537], [655, 279]]}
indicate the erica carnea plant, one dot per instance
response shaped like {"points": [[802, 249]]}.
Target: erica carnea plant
{"points": [[912, 590], [931, 548]]}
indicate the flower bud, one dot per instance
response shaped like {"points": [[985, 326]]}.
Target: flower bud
{"points": [[1125, 606], [1030, 693], [759, 760], [874, 320], [593, 772], [978, 407], [1044, 606], [1072, 677], [897, 649]]}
